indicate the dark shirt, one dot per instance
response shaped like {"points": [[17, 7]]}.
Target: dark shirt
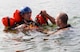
{"points": [[27, 22], [65, 27]]}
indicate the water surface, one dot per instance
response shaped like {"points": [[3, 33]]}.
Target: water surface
{"points": [[66, 42]]}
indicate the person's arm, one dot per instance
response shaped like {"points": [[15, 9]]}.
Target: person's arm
{"points": [[48, 16]]}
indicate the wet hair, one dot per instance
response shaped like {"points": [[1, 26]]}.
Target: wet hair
{"points": [[63, 17]]}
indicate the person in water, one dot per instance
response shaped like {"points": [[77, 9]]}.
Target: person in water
{"points": [[23, 20], [61, 20], [27, 23]]}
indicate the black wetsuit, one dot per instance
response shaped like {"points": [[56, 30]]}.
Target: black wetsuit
{"points": [[64, 27]]}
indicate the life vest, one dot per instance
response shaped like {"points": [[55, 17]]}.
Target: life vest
{"points": [[8, 21], [17, 17], [41, 20]]}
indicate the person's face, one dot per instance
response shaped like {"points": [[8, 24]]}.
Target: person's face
{"points": [[58, 21], [27, 15]]}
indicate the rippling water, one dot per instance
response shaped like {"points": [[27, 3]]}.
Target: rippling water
{"points": [[65, 42]]}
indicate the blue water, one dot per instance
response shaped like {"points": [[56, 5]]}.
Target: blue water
{"points": [[66, 42]]}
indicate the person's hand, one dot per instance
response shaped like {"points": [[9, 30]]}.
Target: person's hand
{"points": [[43, 12], [20, 26]]}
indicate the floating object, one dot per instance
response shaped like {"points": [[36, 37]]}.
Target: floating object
{"points": [[8, 21], [41, 20]]}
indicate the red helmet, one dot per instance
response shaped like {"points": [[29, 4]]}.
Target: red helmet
{"points": [[8, 21], [17, 16]]}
